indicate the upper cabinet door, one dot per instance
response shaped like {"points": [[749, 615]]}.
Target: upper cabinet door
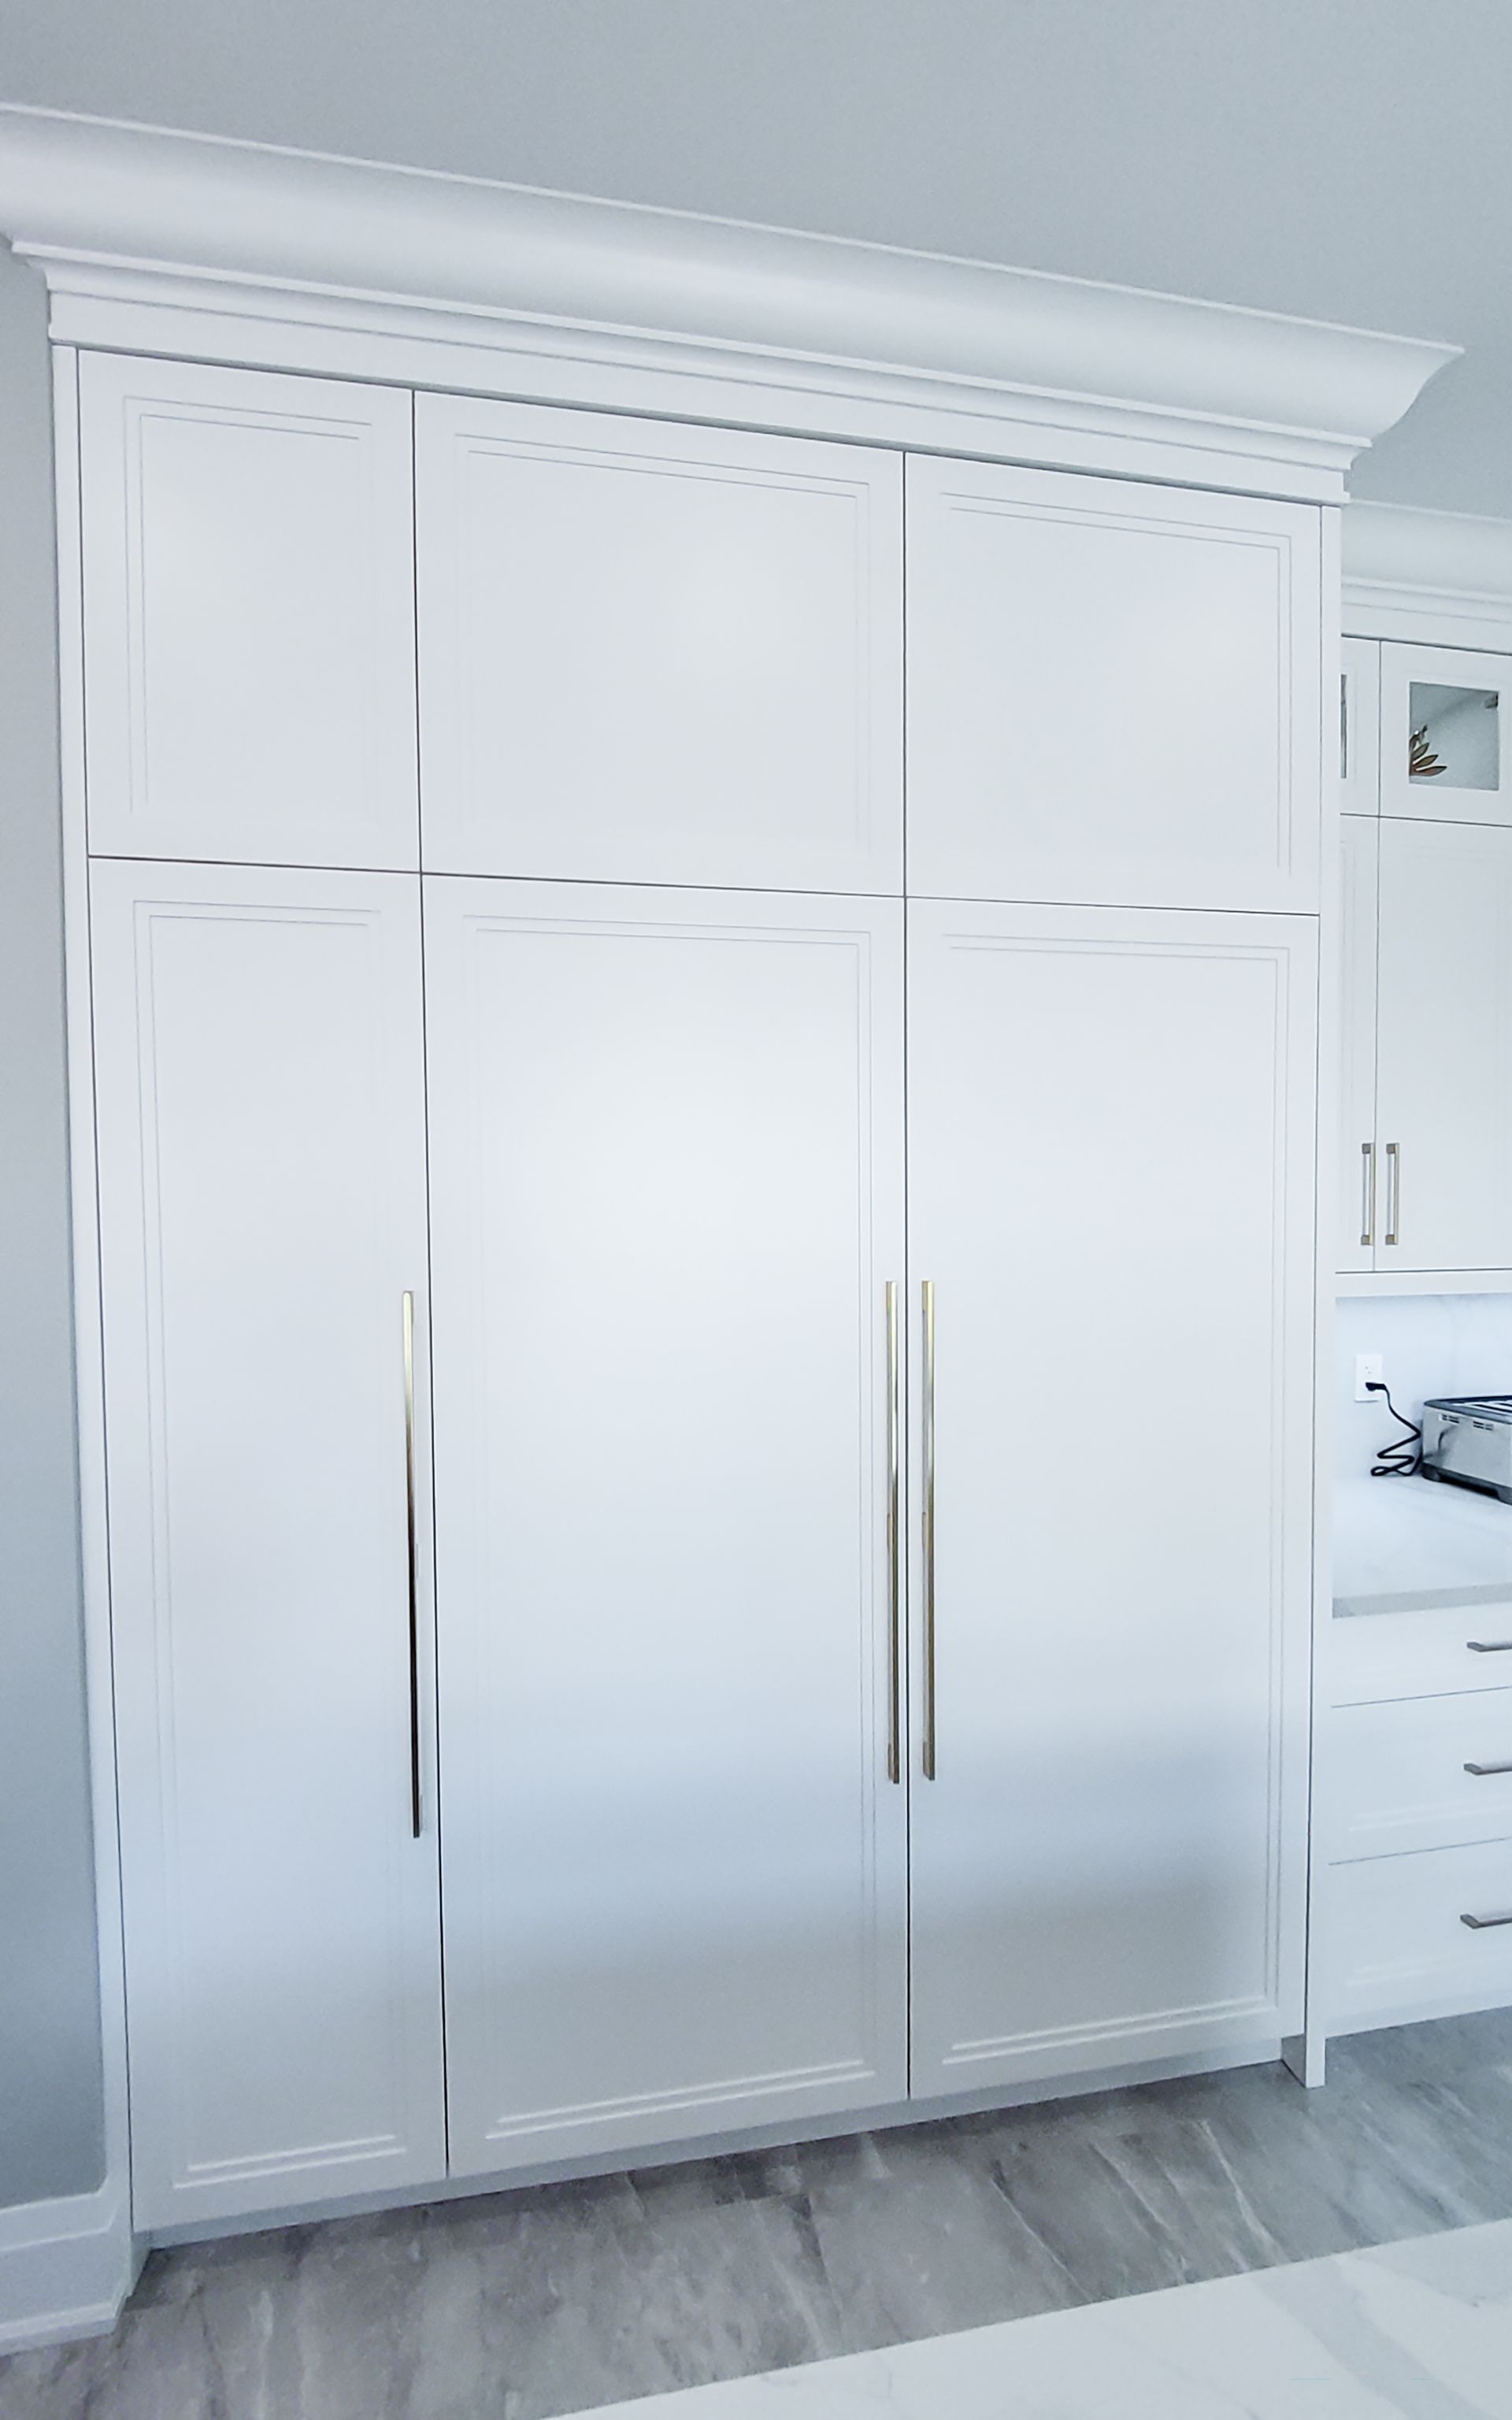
{"points": [[1445, 1048], [658, 654], [249, 616], [1114, 691], [1359, 727], [1443, 756], [1359, 1169]]}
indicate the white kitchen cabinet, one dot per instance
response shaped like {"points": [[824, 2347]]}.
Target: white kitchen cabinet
{"points": [[1360, 726], [1359, 1196], [248, 616], [262, 1218], [1110, 1193], [653, 653], [1112, 692], [1395, 1945], [667, 1201], [1444, 1084], [1444, 757]]}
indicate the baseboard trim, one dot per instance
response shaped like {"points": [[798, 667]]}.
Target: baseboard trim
{"points": [[66, 2267]]}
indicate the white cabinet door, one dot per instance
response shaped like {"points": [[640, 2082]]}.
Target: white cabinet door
{"points": [[1444, 1068], [667, 1161], [1444, 757], [249, 616], [1114, 691], [1111, 1188], [1359, 1179], [1360, 726], [658, 654], [262, 1205]]}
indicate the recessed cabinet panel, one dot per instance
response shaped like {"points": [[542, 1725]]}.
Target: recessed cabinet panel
{"points": [[1361, 1196], [666, 1172], [262, 1197], [249, 616], [1444, 1061], [1114, 691], [1111, 1189], [658, 654], [1360, 726], [1443, 750]]}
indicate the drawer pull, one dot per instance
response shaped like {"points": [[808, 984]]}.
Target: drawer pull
{"points": [[1480, 1771], [1489, 1646], [1485, 1923]]}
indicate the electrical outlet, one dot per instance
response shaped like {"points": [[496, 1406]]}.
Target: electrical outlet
{"points": [[1368, 1367]]}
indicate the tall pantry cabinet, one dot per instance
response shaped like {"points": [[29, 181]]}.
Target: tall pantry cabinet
{"points": [[673, 1567]]}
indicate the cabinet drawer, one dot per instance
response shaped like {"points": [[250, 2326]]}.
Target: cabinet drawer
{"points": [[1399, 1948], [1452, 1648], [1399, 1777]]}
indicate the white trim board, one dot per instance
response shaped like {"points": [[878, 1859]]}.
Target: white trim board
{"points": [[66, 2267], [1442, 578], [211, 249]]}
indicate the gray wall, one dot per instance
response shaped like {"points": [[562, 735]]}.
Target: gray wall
{"points": [[50, 2067]]}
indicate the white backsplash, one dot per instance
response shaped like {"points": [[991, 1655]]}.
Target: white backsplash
{"points": [[1431, 1344]]}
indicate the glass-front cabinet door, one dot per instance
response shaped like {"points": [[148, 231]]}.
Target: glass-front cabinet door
{"points": [[1443, 750]]}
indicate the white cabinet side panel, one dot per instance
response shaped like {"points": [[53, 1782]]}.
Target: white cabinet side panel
{"points": [[249, 616], [1361, 1196], [261, 1170], [667, 1144], [1111, 1136], [651, 653]]}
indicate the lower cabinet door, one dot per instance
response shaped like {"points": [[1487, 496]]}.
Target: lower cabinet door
{"points": [[1110, 1193], [261, 1131], [666, 1176]]}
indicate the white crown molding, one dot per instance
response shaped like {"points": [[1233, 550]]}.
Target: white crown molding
{"points": [[173, 242], [1444, 579]]}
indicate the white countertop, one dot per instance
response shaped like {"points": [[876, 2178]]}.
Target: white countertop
{"points": [[1419, 2331], [1403, 1545]]}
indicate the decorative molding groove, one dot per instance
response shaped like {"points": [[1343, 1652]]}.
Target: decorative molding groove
{"points": [[166, 242], [66, 2267], [1441, 577]]}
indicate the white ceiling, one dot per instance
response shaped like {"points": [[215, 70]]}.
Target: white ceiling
{"points": [[1345, 159]]}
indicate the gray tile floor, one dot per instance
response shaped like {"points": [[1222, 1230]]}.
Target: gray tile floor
{"points": [[516, 2306]]}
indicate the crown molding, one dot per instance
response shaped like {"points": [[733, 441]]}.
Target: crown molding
{"points": [[1444, 579], [171, 242]]}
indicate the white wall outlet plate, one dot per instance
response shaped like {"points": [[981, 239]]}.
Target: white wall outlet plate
{"points": [[1368, 1367]]}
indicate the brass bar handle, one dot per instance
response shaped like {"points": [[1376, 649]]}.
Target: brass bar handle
{"points": [[1481, 1771], [1485, 1923], [414, 1576], [1489, 1646], [928, 1307], [895, 1544], [1368, 1193], [1394, 1194]]}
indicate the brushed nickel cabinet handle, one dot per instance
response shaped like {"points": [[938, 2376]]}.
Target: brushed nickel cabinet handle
{"points": [[1485, 1923], [415, 1591], [895, 1546], [1394, 1194], [1368, 1193], [1481, 1771], [1489, 1646], [927, 1293]]}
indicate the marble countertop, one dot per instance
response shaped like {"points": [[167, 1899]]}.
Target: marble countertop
{"points": [[1419, 2331], [1406, 1545]]}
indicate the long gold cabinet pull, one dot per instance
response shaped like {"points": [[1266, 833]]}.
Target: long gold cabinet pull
{"points": [[414, 1574], [927, 1306], [1368, 1193], [895, 1543], [1394, 1194]]}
